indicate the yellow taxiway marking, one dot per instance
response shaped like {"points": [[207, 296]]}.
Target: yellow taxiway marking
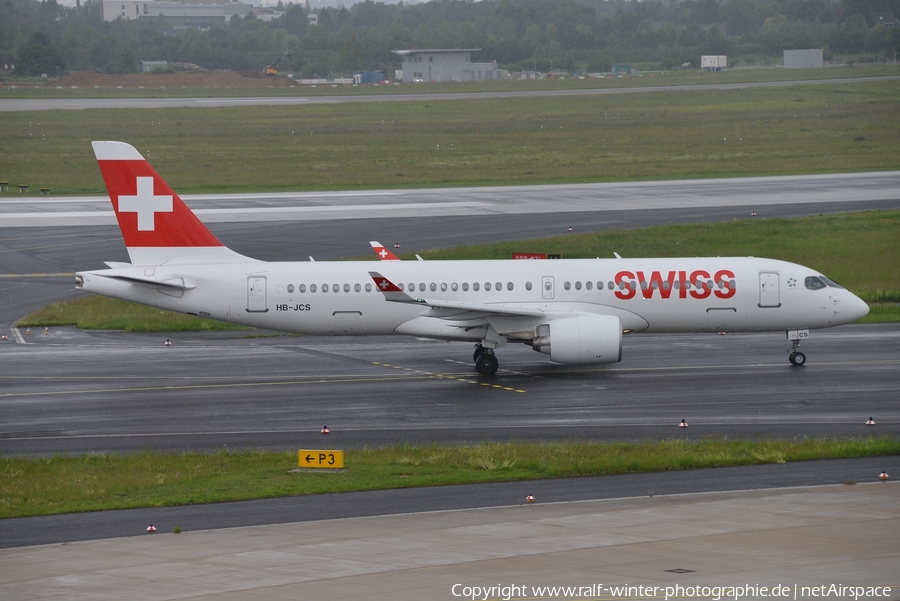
{"points": [[203, 386], [429, 374], [6, 276]]}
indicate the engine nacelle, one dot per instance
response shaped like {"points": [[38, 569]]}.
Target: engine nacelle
{"points": [[583, 338]]}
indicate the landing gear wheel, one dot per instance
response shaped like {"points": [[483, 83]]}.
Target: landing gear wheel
{"points": [[797, 359], [479, 351], [487, 364]]}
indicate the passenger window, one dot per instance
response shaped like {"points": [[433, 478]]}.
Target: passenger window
{"points": [[588, 285], [465, 286], [527, 285], [346, 287], [422, 287], [357, 288], [814, 283], [335, 288], [302, 288], [368, 287], [400, 285], [453, 286], [443, 286], [290, 287], [611, 285], [412, 287], [433, 286], [567, 285], [487, 286], [475, 286], [312, 287], [498, 286], [509, 286]]}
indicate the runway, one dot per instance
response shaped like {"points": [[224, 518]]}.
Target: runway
{"points": [[47, 104]]}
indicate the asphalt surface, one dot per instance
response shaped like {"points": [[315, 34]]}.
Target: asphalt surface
{"points": [[74, 392], [132, 522], [150, 103]]}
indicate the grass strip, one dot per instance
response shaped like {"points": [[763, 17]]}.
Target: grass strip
{"points": [[859, 250], [93, 312], [63, 484], [39, 88], [842, 126]]}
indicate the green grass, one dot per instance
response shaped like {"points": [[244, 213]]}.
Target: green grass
{"points": [[59, 484], [859, 250], [49, 89], [847, 125], [92, 312]]}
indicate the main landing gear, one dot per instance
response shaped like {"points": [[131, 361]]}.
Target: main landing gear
{"points": [[796, 357], [485, 361]]}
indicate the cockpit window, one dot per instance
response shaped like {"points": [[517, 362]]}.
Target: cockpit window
{"points": [[814, 283], [831, 283]]}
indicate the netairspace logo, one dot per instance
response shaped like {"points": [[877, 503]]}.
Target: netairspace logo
{"points": [[507, 592]]}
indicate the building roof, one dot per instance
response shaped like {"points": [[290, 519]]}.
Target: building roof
{"points": [[434, 50]]}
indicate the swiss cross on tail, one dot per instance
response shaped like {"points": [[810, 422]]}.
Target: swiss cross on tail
{"points": [[383, 253], [150, 214]]}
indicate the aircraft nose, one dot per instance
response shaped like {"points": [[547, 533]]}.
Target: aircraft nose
{"points": [[858, 308]]}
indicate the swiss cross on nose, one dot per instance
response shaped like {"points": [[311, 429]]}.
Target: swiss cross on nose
{"points": [[146, 204]]}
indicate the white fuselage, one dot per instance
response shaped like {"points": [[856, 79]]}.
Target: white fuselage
{"points": [[738, 294]]}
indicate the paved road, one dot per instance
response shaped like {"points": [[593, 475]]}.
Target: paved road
{"points": [[153, 103]]}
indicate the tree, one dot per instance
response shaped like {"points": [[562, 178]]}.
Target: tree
{"points": [[39, 56]]}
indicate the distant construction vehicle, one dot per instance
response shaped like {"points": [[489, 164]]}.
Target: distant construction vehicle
{"points": [[273, 68]]}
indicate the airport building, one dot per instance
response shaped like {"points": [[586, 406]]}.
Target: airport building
{"points": [[196, 13], [803, 59], [444, 65]]}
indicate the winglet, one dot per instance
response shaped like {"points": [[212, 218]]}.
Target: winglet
{"points": [[383, 253], [392, 291]]}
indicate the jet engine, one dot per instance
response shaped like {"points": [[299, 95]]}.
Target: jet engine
{"points": [[583, 338]]}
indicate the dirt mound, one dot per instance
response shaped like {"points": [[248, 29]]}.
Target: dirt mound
{"points": [[88, 79]]}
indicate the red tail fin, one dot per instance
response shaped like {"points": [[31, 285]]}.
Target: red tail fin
{"points": [[156, 224], [149, 212]]}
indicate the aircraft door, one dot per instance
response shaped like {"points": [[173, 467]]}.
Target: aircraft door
{"points": [[769, 294], [547, 287], [256, 294]]}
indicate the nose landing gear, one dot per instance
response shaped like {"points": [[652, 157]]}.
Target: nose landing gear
{"points": [[796, 357]]}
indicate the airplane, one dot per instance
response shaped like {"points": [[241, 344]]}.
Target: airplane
{"points": [[576, 311], [382, 252]]}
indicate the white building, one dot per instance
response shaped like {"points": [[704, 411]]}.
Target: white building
{"points": [[445, 65], [196, 13], [804, 59], [713, 62]]}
